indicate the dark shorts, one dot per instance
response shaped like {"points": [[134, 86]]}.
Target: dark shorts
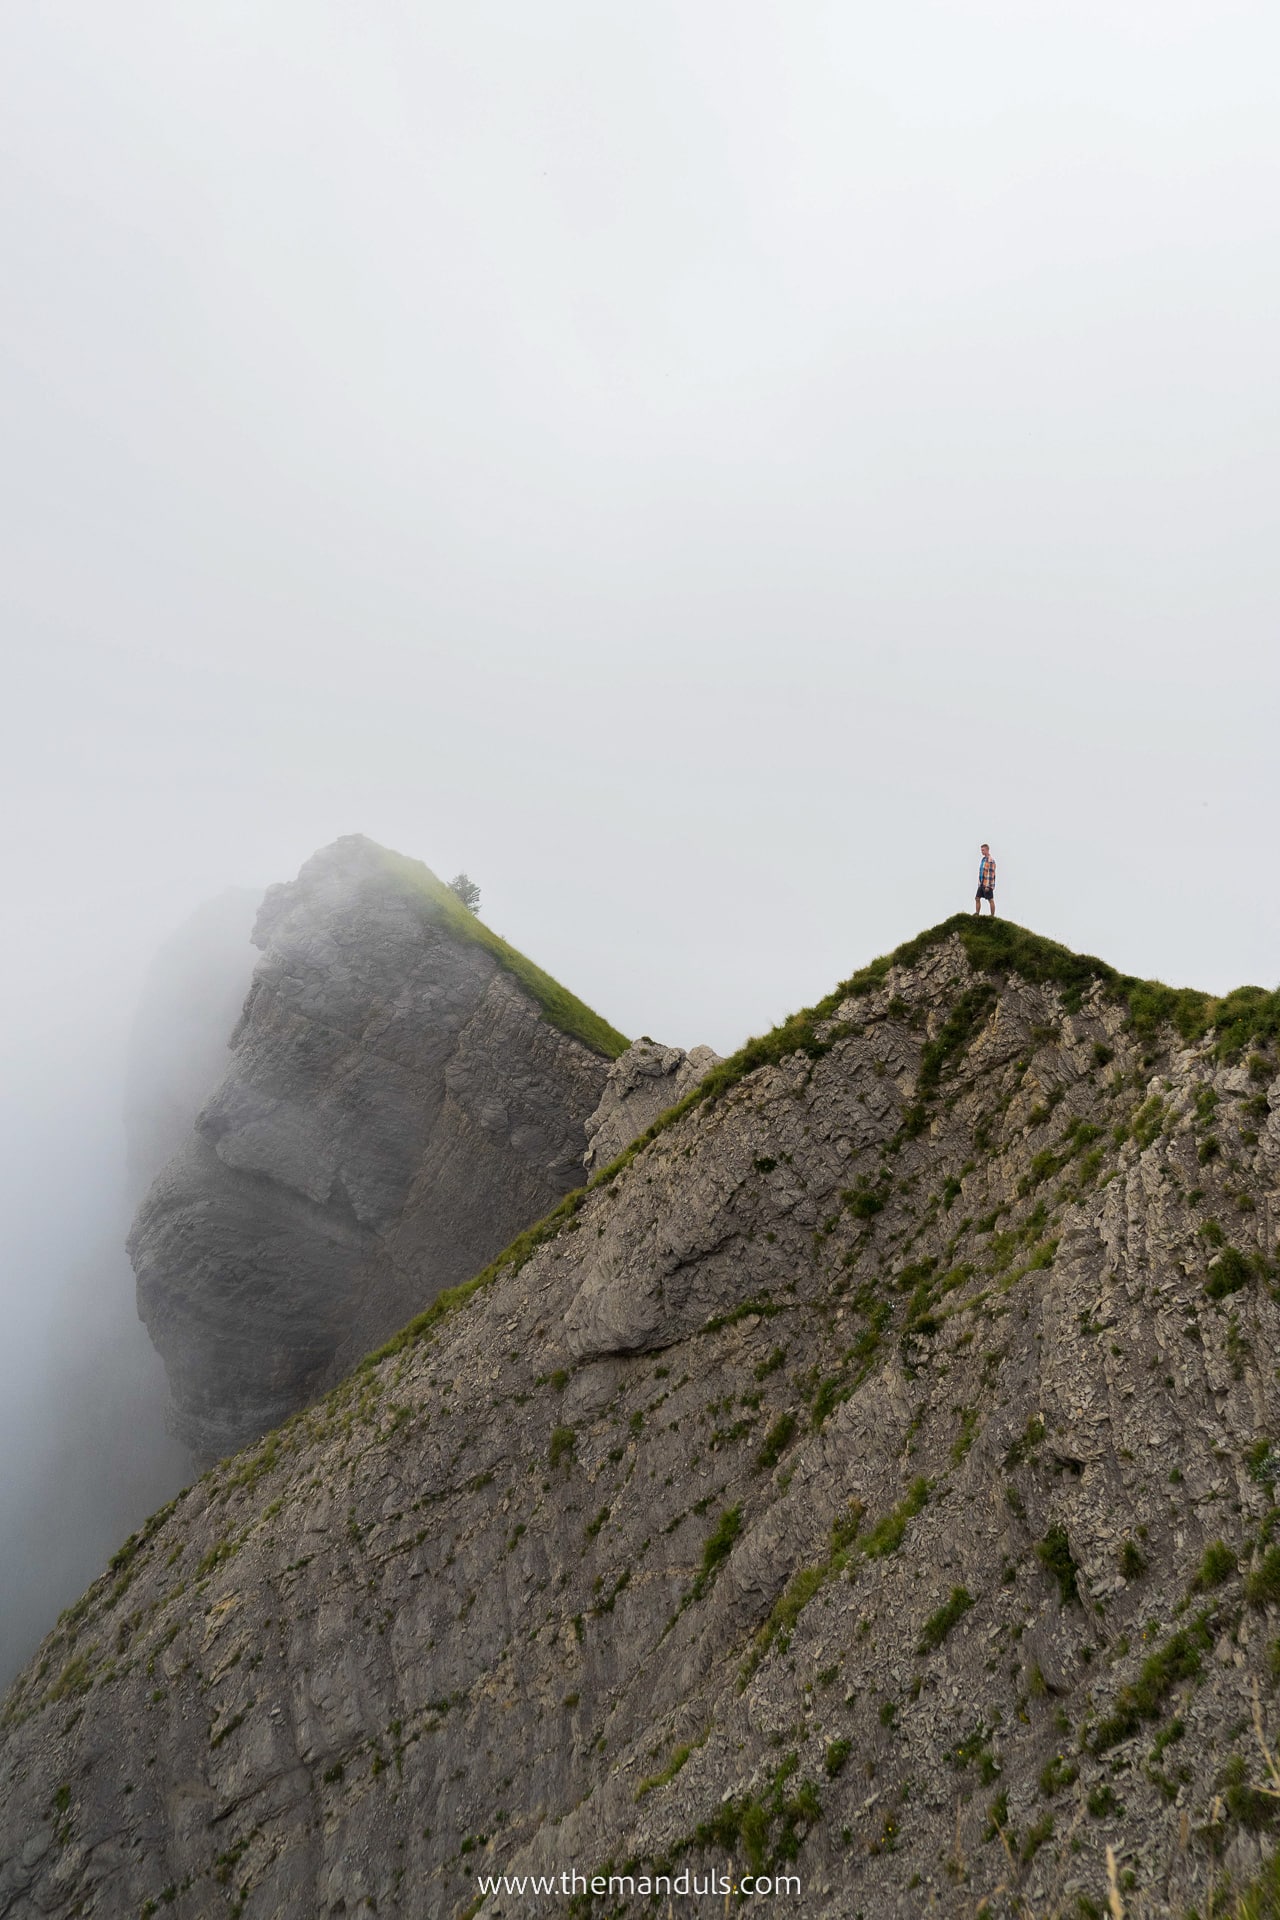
{"points": [[986, 893]]}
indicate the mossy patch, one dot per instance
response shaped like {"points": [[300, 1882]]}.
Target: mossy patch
{"points": [[1179, 1658], [1055, 1556], [716, 1549], [653, 1781], [768, 1830], [949, 1615]]}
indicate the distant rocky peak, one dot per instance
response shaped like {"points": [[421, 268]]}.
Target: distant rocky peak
{"points": [[350, 870], [404, 1092]]}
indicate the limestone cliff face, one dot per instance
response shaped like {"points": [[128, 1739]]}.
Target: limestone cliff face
{"points": [[397, 1106], [872, 1480]]}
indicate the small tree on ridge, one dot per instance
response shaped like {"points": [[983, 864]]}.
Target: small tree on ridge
{"points": [[467, 891]]}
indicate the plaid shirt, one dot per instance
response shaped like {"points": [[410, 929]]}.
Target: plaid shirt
{"points": [[987, 872]]}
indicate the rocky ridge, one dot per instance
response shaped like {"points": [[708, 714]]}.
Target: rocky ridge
{"points": [[404, 1093], [869, 1477]]}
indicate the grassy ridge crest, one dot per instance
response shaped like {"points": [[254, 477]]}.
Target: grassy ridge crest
{"points": [[562, 1008], [998, 948], [1001, 947]]}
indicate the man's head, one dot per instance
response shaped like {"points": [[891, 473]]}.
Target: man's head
{"points": [[985, 847]]}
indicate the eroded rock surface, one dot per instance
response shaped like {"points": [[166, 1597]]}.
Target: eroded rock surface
{"points": [[881, 1463], [396, 1108], [643, 1082]]}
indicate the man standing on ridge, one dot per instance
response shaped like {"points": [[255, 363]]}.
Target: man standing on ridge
{"points": [[986, 882]]}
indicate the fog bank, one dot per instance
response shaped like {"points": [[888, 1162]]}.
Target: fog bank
{"points": [[84, 1451]]}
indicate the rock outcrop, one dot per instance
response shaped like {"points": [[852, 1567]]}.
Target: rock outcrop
{"points": [[399, 1102], [873, 1481], [643, 1083]]}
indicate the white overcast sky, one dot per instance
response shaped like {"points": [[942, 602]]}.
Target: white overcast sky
{"points": [[701, 467]]}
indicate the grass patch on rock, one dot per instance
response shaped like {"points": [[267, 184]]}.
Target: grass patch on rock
{"points": [[439, 904]]}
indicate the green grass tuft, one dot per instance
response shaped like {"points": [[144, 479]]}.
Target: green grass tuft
{"points": [[887, 1534], [669, 1772], [1262, 1588], [961, 1024], [1133, 1561], [716, 1549], [1177, 1660], [1055, 1556], [1230, 1271], [776, 1441], [1217, 1564], [948, 1615]]}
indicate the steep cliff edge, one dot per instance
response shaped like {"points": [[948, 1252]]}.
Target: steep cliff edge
{"points": [[404, 1093], [869, 1477]]}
